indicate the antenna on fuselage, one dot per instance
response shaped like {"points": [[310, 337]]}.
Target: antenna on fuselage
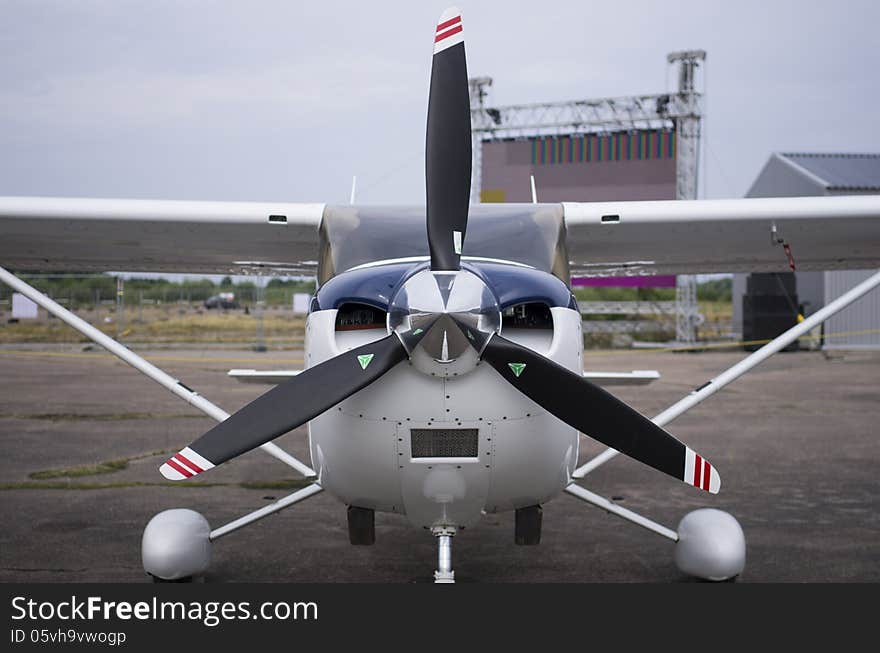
{"points": [[534, 191], [354, 181]]}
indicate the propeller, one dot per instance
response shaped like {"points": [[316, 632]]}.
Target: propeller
{"points": [[287, 406], [455, 303], [597, 413], [448, 145]]}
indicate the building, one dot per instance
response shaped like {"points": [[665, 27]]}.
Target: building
{"points": [[809, 174]]}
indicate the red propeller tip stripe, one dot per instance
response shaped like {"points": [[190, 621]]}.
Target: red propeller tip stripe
{"points": [[446, 35], [448, 23], [180, 468]]}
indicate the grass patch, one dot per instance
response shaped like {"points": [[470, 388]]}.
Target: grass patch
{"points": [[25, 485], [283, 484], [111, 466], [97, 417], [160, 326], [107, 467]]}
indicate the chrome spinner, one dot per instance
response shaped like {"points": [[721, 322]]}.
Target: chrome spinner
{"points": [[444, 320]]}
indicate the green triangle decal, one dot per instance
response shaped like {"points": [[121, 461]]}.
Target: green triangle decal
{"points": [[517, 368], [365, 359], [417, 332]]}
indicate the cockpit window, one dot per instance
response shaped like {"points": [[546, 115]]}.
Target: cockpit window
{"points": [[532, 234]]}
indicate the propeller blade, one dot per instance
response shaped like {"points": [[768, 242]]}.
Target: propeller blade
{"points": [[598, 414], [287, 406], [448, 145]]}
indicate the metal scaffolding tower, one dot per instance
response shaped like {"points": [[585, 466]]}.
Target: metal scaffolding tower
{"points": [[687, 164], [681, 111]]}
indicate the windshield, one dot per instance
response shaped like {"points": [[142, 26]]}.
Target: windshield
{"points": [[532, 234]]}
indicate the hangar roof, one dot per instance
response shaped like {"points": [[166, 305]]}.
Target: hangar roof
{"points": [[840, 171]]}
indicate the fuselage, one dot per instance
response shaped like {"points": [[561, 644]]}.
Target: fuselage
{"points": [[443, 451]]}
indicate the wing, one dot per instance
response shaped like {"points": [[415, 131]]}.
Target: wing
{"points": [[77, 234], [739, 235], [603, 238]]}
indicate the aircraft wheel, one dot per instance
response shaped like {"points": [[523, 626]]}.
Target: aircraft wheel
{"points": [[711, 545], [176, 545]]}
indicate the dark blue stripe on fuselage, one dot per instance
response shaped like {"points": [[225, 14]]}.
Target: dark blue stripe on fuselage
{"points": [[376, 286]]}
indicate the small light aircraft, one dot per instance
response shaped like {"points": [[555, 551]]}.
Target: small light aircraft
{"points": [[444, 365]]}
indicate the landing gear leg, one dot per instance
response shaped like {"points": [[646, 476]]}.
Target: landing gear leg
{"points": [[527, 530], [361, 526], [444, 573]]}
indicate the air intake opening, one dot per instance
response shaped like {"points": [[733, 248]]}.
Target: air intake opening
{"points": [[610, 218], [282, 219], [353, 316], [444, 443], [532, 315]]}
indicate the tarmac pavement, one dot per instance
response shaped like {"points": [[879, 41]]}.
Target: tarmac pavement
{"points": [[796, 443]]}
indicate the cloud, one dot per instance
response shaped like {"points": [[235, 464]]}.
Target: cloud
{"points": [[210, 99]]}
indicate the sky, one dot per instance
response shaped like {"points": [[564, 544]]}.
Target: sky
{"points": [[286, 101]]}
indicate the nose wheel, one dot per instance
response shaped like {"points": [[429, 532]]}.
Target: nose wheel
{"points": [[444, 573]]}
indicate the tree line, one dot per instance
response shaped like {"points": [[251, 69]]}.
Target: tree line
{"points": [[80, 290], [85, 290]]}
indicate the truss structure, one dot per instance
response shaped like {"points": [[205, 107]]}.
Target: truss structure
{"points": [[681, 111]]}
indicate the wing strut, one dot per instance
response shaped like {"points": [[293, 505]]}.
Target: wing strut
{"points": [[714, 385], [141, 364]]}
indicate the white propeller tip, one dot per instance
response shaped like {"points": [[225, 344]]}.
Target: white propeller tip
{"points": [[170, 473], [714, 481], [449, 13], [449, 30]]}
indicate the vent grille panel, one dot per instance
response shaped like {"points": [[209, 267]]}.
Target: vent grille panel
{"points": [[444, 443]]}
